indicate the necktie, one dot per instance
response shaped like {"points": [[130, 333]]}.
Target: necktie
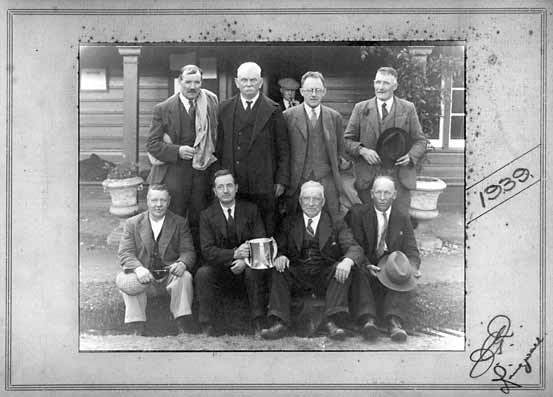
{"points": [[309, 228], [380, 248], [313, 118], [290, 104], [230, 219], [192, 108], [384, 111], [248, 106]]}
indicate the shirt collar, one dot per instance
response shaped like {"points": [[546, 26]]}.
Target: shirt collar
{"points": [[225, 209], [308, 109], [253, 100], [389, 103], [387, 212], [154, 221], [185, 101], [315, 219]]}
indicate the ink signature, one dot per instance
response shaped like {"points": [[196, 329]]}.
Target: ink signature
{"points": [[484, 358]]}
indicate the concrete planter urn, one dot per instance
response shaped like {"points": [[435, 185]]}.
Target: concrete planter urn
{"points": [[124, 202], [424, 208], [123, 192]]}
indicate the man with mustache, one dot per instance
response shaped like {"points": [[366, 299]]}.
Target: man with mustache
{"points": [[371, 118], [182, 142]]}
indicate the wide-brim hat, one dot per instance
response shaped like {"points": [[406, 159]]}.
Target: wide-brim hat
{"points": [[288, 83], [393, 143], [129, 284], [396, 272]]}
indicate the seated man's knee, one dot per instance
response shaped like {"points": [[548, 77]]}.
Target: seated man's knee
{"points": [[204, 273]]}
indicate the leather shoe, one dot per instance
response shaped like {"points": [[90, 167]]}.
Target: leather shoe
{"points": [[277, 331], [183, 324], [258, 325], [369, 329], [335, 332], [397, 333], [136, 328]]}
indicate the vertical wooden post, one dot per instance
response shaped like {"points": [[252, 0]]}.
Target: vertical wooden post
{"points": [[130, 102]]}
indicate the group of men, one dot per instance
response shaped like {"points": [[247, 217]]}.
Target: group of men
{"points": [[248, 153]]}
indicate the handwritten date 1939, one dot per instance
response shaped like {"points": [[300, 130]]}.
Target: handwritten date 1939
{"points": [[504, 185]]}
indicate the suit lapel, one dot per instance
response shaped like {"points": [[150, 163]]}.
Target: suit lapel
{"points": [[296, 234], [239, 220], [301, 121], [175, 117], [146, 233], [227, 120], [324, 229], [330, 141], [264, 112], [167, 232], [393, 229], [220, 219], [371, 226], [373, 122]]}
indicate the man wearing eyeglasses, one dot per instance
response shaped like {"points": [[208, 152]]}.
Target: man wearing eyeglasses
{"points": [[368, 120], [253, 143], [316, 143]]}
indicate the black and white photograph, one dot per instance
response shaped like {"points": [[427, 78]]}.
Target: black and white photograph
{"points": [[402, 285], [311, 198]]}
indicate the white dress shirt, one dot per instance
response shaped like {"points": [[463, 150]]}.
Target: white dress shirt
{"points": [[315, 222], [380, 217], [309, 110], [185, 101], [389, 103], [225, 211], [156, 226]]}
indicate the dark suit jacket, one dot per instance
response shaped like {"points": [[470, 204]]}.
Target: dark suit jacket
{"points": [[363, 130], [137, 243], [213, 230], [363, 222], [335, 241], [166, 120], [268, 161], [333, 135]]}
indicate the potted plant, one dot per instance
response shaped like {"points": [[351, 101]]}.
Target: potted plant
{"points": [[123, 183]]}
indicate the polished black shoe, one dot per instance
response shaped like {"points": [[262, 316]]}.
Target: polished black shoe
{"points": [[136, 328], [397, 333], [369, 330], [277, 331], [335, 332]]}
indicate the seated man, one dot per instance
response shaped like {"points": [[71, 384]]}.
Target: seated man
{"points": [[157, 246], [386, 235], [225, 227], [318, 257]]}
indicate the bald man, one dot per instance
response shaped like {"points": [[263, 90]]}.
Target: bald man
{"points": [[253, 143]]}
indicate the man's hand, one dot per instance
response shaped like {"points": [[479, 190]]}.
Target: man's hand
{"points": [[242, 252], [177, 268], [417, 274], [279, 189], [403, 160], [370, 156], [373, 269], [143, 274], [186, 152], [238, 266], [281, 263], [343, 270]]}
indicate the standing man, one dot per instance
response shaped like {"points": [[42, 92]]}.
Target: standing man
{"points": [[315, 256], [387, 238], [316, 143], [182, 137], [157, 246], [368, 120], [253, 143], [288, 87], [225, 227]]}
